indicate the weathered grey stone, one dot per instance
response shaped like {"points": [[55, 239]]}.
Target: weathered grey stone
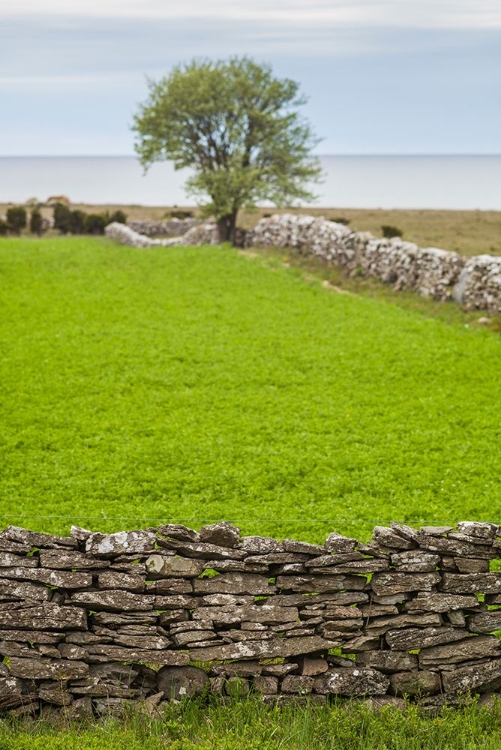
{"points": [[372, 610], [290, 545], [20, 591], [266, 685], [44, 617], [485, 622], [415, 561], [175, 615], [54, 692], [321, 583], [162, 566], [379, 625], [6, 545], [72, 651], [46, 669], [175, 601], [338, 543], [312, 666], [36, 539], [402, 596], [277, 558], [486, 583], [62, 559], [298, 684], [193, 636], [137, 655], [177, 683], [387, 661], [438, 602], [237, 668], [403, 530], [278, 670], [352, 682], [230, 615], [457, 618], [474, 647], [170, 586], [360, 644], [113, 601], [178, 531], [124, 618], [479, 678], [363, 567], [109, 545], [203, 550], [390, 538], [481, 530], [394, 583], [81, 709], [61, 579], [11, 560], [260, 545], [31, 636], [115, 580], [237, 687], [264, 650], [221, 600], [235, 566], [234, 583], [80, 534], [222, 534], [416, 638], [433, 531], [334, 559], [455, 547], [151, 642], [470, 565], [415, 683]]}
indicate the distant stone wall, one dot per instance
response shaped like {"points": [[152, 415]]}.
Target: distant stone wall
{"points": [[475, 283], [168, 228], [91, 622]]}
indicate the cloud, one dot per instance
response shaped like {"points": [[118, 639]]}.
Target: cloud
{"points": [[427, 14]]}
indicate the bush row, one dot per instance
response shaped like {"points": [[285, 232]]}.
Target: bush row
{"points": [[65, 220]]}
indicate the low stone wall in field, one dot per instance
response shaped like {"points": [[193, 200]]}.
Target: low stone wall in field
{"points": [[92, 621], [168, 228]]}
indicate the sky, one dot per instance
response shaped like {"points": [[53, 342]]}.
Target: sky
{"points": [[381, 76]]}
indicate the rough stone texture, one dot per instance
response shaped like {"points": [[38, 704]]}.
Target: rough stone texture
{"points": [[395, 583], [415, 683], [452, 653], [167, 228], [223, 534], [161, 566], [352, 682]]}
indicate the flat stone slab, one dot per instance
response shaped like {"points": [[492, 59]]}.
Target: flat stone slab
{"points": [[115, 580], [484, 583], [58, 578], [114, 601], [123, 542], [439, 602], [395, 583], [46, 669], [228, 615], [415, 561], [485, 622], [477, 677], [352, 682], [474, 647], [415, 683], [263, 649], [409, 639], [173, 566], [321, 583], [45, 617], [69, 560], [139, 656], [387, 661], [251, 584], [32, 539]]}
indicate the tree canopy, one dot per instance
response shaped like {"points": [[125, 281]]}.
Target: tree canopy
{"points": [[237, 127]]}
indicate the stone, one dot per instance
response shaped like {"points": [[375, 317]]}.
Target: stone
{"points": [[485, 622], [138, 655], [438, 602], [360, 644], [81, 709], [278, 670], [487, 531], [415, 561], [482, 678], [237, 566], [62, 559], [394, 583], [379, 625], [60, 579], [290, 545], [72, 651], [162, 566], [36, 539], [80, 534], [353, 681], [358, 567], [54, 692], [387, 661], [177, 683], [170, 586], [175, 601], [266, 685], [178, 531], [202, 550], [47, 669], [150, 642], [223, 534], [433, 531], [112, 619], [122, 542], [173, 616], [113, 601], [115, 580], [485, 583], [221, 600], [24, 592], [277, 558], [237, 669], [312, 666], [190, 637], [265, 649], [370, 611], [234, 583], [390, 538], [416, 638], [298, 684], [11, 560], [403, 530], [455, 547], [334, 559], [415, 683], [470, 565], [338, 543], [402, 596], [32, 636], [474, 647], [230, 615], [321, 583], [45, 617], [457, 619], [260, 545]]}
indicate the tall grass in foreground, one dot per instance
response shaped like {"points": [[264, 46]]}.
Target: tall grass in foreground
{"points": [[249, 725]]}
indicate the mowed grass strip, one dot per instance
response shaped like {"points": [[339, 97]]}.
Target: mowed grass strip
{"points": [[201, 384]]}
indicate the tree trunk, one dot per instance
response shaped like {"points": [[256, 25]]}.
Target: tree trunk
{"points": [[226, 227]]}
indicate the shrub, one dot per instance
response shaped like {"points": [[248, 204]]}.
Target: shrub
{"points": [[62, 216], [389, 231], [4, 228], [95, 223], [36, 222], [16, 219], [77, 222], [341, 220], [117, 216]]}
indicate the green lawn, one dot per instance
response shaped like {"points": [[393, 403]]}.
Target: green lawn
{"points": [[202, 384]]}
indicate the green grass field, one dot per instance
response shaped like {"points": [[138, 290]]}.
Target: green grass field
{"points": [[206, 383], [201, 384]]}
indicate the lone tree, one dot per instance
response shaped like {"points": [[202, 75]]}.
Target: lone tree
{"points": [[237, 127]]}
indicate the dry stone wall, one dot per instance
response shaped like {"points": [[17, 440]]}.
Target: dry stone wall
{"points": [[91, 622], [168, 228]]}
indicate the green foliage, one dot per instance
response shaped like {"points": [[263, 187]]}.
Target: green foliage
{"points": [[77, 222], [119, 216], [95, 223], [201, 384], [62, 218], [237, 127], [36, 222], [4, 228], [390, 231], [16, 219]]}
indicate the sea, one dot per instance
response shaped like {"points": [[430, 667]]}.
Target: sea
{"points": [[412, 182]]}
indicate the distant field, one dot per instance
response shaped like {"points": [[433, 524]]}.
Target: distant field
{"points": [[466, 232], [204, 383]]}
